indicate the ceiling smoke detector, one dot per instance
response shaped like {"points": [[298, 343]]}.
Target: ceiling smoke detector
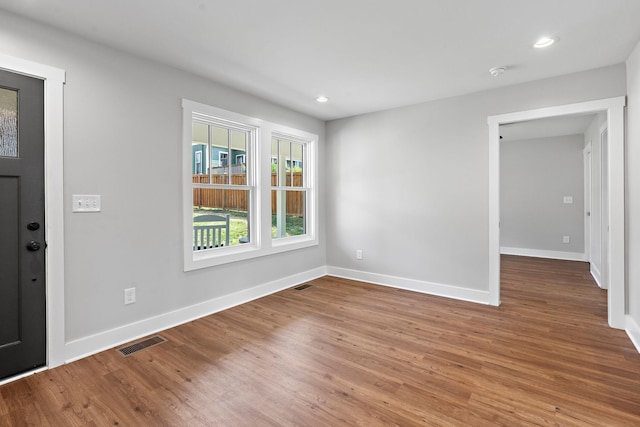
{"points": [[497, 71]]}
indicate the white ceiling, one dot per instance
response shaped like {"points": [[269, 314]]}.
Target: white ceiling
{"points": [[546, 128], [365, 55]]}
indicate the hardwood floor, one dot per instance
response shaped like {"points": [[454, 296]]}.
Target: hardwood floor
{"points": [[349, 353]]}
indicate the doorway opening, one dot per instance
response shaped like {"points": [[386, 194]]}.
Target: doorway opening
{"points": [[614, 207], [542, 186]]}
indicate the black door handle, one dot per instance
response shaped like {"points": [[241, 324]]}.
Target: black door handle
{"points": [[33, 246]]}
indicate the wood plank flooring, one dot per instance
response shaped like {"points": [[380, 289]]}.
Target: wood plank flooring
{"points": [[349, 353]]}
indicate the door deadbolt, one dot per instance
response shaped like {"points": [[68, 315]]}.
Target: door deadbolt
{"points": [[33, 246], [33, 226]]}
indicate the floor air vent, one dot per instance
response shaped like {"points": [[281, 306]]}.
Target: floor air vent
{"points": [[302, 287], [149, 342]]}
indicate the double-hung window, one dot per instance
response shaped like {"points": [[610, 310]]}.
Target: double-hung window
{"points": [[248, 187], [289, 185]]}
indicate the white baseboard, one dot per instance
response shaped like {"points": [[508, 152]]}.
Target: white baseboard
{"points": [[595, 273], [539, 253], [455, 292], [633, 330], [92, 344]]}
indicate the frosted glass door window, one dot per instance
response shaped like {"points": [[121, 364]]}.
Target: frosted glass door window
{"points": [[8, 123]]}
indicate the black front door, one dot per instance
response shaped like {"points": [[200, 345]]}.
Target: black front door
{"points": [[22, 246]]}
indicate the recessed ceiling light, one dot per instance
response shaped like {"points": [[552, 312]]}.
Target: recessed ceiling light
{"points": [[544, 42], [322, 99]]}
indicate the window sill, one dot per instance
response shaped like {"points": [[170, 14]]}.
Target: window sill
{"points": [[220, 256]]}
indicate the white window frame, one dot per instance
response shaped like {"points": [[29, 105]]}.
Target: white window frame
{"points": [[242, 156], [307, 187], [258, 165]]}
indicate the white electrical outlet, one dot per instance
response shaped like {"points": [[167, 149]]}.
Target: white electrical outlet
{"points": [[359, 254], [86, 203], [566, 239], [129, 296], [567, 200]]}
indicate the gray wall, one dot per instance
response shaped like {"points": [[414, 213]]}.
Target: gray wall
{"points": [[121, 114], [535, 175], [423, 214], [633, 183]]}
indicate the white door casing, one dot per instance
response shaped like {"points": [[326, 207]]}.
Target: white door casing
{"points": [[604, 214], [587, 201], [54, 80], [614, 108]]}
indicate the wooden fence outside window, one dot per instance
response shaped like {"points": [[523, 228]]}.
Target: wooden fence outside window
{"points": [[237, 199]]}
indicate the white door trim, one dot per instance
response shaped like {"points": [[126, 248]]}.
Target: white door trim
{"points": [[54, 79], [604, 215], [586, 158], [616, 171]]}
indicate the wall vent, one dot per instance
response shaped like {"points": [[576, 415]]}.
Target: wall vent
{"points": [[133, 348], [302, 287]]}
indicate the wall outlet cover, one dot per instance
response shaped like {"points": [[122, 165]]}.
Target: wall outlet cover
{"points": [[129, 296]]}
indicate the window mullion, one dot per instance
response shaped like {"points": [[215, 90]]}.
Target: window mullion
{"points": [[210, 153], [290, 164], [229, 156]]}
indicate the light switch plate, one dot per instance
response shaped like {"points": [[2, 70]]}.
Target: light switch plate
{"points": [[86, 203]]}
